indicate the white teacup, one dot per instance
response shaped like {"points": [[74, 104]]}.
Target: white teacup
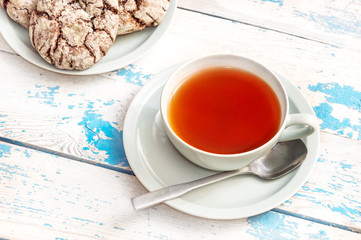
{"points": [[224, 162]]}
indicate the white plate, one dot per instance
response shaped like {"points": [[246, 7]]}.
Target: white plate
{"points": [[125, 50], [157, 164]]}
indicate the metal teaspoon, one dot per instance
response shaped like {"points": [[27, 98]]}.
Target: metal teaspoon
{"points": [[282, 159]]}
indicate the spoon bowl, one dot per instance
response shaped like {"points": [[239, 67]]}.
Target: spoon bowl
{"points": [[282, 159]]}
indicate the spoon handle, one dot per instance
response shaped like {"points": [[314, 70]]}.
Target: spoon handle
{"points": [[158, 196]]}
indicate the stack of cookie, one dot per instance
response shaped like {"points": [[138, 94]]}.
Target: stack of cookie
{"points": [[76, 34]]}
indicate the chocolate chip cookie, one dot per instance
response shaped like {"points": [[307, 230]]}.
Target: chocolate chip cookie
{"points": [[19, 10], [74, 34], [135, 15]]}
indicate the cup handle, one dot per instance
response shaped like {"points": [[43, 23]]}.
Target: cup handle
{"points": [[310, 122]]}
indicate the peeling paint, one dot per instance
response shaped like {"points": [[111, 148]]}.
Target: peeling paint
{"points": [[279, 2], [345, 96], [133, 74], [272, 226], [45, 95], [104, 137], [332, 23], [4, 150]]}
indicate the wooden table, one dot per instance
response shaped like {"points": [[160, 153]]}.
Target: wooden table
{"points": [[315, 44]]}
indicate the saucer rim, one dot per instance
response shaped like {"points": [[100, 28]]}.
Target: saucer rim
{"points": [[288, 190]]}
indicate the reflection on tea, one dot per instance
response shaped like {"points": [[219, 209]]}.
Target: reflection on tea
{"points": [[224, 110]]}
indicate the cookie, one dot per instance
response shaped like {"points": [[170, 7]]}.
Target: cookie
{"points": [[135, 15], [19, 10], [74, 34]]}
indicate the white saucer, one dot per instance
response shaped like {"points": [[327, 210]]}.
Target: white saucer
{"points": [[125, 50], [157, 164]]}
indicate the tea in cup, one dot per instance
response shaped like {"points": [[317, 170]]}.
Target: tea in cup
{"points": [[223, 111]]}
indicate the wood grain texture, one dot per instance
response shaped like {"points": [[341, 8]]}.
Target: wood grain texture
{"points": [[326, 74], [57, 112], [321, 72], [334, 188], [332, 22], [49, 197]]}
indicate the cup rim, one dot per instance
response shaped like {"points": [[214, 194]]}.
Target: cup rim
{"points": [[164, 116]]}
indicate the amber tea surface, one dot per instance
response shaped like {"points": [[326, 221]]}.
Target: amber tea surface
{"points": [[224, 110]]}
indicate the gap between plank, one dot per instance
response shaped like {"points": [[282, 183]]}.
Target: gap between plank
{"points": [[64, 155], [311, 219]]}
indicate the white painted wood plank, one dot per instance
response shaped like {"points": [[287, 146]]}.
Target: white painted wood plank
{"points": [[48, 197], [333, 190], [333, 22], [82, 116]]}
